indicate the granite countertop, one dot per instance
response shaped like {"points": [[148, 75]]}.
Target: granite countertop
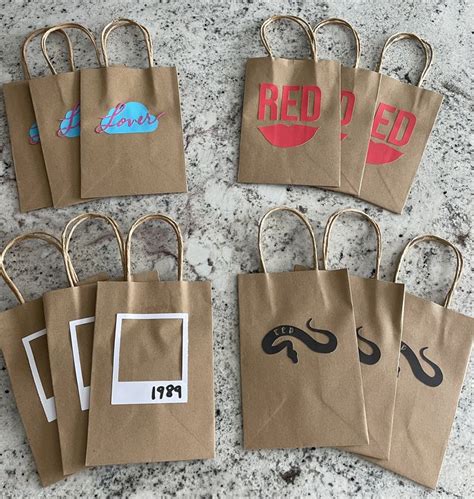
{"points": [[209, 43]]}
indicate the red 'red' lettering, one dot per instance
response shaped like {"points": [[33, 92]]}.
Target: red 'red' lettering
{"points": [[408, 120], [380, 120], [310, 102], [286, 102], [269, 101], [316, 110], [347, 106]]}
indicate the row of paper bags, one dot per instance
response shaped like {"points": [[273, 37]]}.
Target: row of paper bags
{"points": [[95, 132], [110, 372], [314, 122], [114, 131]]}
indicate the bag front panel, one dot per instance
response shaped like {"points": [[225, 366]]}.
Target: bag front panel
{"points": [[300, 387], [58, 113], [359, 90], [136, 415], [132, 139], [25, 350], [291, 123], [436, 345], [403, 121], [31, 178]]}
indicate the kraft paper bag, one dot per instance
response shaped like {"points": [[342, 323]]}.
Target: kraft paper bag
{"points": [[435, 351], [70, 316], [359, 90], [25, 349], [402, 125], [378, 310], [132, 139], [56, 101], [291, 118], [300, 372], [31, 178], [152, 393]]}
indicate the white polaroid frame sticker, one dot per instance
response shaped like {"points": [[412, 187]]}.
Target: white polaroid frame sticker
{"points": [[84, 391], [150, 392], [48, 404]]}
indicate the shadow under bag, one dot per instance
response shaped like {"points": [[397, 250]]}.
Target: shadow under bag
{"points": [[152, 388], [291, 118], [300, 372], [25, 348], [131, 138], [435, 350]]}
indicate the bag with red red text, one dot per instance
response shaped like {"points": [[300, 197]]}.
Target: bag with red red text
{"points": [[359, 89], [402, 125], [291, 118], [56, 103], [131, 137]]}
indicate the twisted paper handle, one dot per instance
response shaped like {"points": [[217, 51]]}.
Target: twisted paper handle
{"points": [[302, 218]]}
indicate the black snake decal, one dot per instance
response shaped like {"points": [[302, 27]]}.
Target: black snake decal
{"points": [[368, 358], [435, 380], [294, 332]]}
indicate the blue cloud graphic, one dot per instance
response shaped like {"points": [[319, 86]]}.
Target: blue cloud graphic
{"points": [[33, 134], [70, 125], [131, 117]]}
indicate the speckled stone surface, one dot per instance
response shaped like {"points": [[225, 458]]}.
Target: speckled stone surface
{"points": [[209, 42]]}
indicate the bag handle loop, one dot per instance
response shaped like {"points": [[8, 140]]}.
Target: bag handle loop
{"points": [[86, 31], [26, 43], [444, 242], [43, 236], [126, 22], [427, 49], [302, 218], [327, 233], [342, 22], [68, 232], [148, 218], [298, 20]]}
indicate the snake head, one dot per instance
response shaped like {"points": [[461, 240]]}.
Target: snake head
{"points": [[292, 354]]}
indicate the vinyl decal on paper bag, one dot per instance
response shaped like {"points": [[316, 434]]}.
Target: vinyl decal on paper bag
{"points": [[33, 134], [433, 380], [269, 346], [368, 358], [289, 134], [401, 125], [131, 117], [70, 125], [84, 391], [48, 404], [150, 392]]}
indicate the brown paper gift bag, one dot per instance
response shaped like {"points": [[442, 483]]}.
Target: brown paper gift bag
{"points": [[31, 178], [132, 139], [291, 118], [24, 346], [436, 345], [152, 376], [57, 108], [378, 310], [300, 372], [359, 89], [402, 124], [69, 317]]}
